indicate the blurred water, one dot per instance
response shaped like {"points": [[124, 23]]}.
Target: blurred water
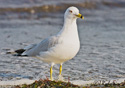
{"points": [[30, 3], [101, 56]]}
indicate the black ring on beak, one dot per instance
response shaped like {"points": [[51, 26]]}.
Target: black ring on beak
{"points": [[81, 16]]}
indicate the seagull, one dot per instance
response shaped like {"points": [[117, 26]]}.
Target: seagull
{"points": [[59, 48]]}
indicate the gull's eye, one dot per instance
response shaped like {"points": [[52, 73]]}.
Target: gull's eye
{"points": [[70, 11]]}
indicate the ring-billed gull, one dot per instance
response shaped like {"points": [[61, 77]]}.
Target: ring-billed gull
{"points": [[58, 48]]}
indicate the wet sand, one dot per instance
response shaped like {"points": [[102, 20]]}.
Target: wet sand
{"points": [[101, 55]]}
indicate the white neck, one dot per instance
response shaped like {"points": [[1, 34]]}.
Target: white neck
{"points": [[69, 26], [69, 21]]}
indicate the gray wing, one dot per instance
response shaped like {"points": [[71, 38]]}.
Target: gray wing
{"points": [[42, 46], [29, 46]]}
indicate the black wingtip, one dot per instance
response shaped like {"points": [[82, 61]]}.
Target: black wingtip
{"points": [[19, 51], [20, 55]]}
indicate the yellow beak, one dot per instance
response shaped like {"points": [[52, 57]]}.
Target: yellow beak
{"points": [[80, 16]]}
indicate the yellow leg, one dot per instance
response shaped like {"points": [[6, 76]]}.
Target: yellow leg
{"points": [[51, 72], [60, 77], [60, 69]]}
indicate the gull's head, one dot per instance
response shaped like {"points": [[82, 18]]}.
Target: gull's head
{"points": [[72, 13]]}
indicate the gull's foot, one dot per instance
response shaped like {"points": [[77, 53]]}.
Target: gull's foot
{"points": [[60, 78], [51, 79]]}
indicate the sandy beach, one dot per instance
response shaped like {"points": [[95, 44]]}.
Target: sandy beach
{"points": [[102, 36]]}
